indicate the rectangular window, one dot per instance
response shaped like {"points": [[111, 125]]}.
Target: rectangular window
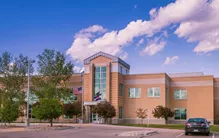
{"points": [[120, 112], [154, 92], [121, 87], [127, 72], [100, 81], [180, 114], [120, 69], [180, 94], [134, 92]]}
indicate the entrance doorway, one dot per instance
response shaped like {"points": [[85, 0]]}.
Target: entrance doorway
{"points": [[94, 118]]}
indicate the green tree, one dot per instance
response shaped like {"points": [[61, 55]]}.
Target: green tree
{"points": [[73, 109], [54, 74], [105, 110], [9, 112], [142, 114], [47, 109], [163, 112], [68, 110], [13, 81], [13, 77]]}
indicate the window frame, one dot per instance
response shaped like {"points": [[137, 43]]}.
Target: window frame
{"points": [[121, 69], [121, 89], [120, 112], [153, 92], [134, 93], [180, 110], [180, 94]]}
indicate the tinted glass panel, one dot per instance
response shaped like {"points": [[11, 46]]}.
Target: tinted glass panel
{"points": [[156, 92], [177, 94], [150, 92]]}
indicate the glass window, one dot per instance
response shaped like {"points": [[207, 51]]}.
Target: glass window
{"points": [[100, 81], [120, 112], [131, 92], [97, 69], [103, 69], [154, 92], [127, 72], [121, 70], [134, 92], [180, 114], [121, 87], [103, 75], [180, 94]]}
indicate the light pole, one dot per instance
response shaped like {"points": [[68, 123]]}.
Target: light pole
{"points": [[28, 92], [82, 100]]}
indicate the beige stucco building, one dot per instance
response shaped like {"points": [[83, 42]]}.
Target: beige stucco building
{"points": [[188, 94]]}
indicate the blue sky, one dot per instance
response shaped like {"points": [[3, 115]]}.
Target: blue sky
{"points": [[173, 40]]}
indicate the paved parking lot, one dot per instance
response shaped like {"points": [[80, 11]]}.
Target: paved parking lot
{"points": [[100, 131]]}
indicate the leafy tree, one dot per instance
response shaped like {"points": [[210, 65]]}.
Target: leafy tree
{"points": [[163, 112], [54, 73], [73, 109], [142, 114], [9, 112], [105, 110], [13, 77], [47, 109], [69, 110], [13, 81]]}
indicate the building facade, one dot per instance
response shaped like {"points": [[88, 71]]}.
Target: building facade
{"points": [[188, 94]]}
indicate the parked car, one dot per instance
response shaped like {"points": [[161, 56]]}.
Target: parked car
{"points": [[197, 125]]}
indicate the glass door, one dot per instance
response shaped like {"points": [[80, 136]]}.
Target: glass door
{"points": [[94, 118]]}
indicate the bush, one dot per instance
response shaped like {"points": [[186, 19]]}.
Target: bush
{"points": [[47, 109]]}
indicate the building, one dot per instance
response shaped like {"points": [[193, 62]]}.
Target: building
{"points": [[188, 94]]}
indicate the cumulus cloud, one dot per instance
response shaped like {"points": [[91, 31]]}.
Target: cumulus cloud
{"points": [[154, 46], [88, 32], [171, 60], [194, 20]]}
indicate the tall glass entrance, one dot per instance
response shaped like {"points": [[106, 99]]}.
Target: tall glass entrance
{"points": [[100, 82]]}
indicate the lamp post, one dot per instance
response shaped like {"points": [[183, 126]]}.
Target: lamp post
{"points": [[28, 92], [82, 99]]}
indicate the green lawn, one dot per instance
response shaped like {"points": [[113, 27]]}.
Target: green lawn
{"points": [[214, 128]]}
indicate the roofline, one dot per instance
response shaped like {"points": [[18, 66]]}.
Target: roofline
{"points": [[113, 58]]}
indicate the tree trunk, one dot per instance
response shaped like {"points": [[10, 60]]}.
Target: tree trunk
{"points": [[51, 123], [166, 122]]}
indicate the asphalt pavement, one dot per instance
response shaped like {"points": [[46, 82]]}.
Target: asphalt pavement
{"points": [[100, 131]]}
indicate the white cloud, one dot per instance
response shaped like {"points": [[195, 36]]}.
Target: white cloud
{"points": [[171, 60], [197, 21], [77, 69], [153, 47], [88, 32]]}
